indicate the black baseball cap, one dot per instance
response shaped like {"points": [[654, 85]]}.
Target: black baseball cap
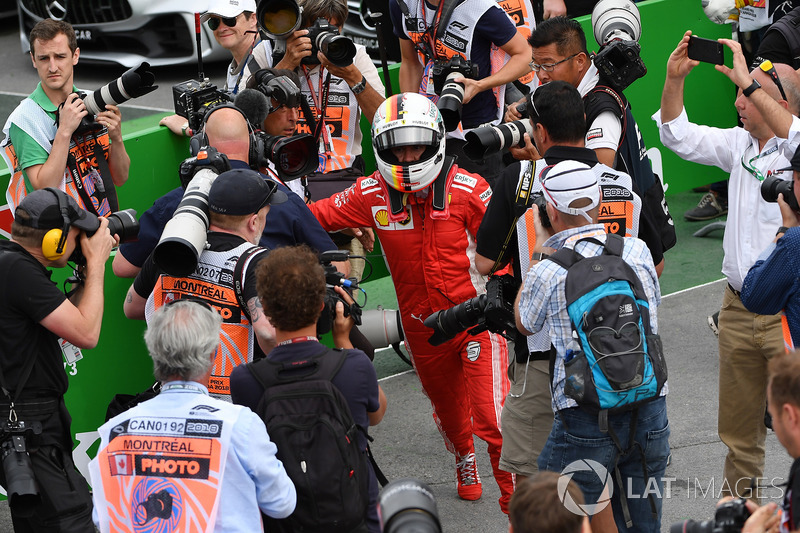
{"points": [[242, 191], [43, 211], [794, 162]]}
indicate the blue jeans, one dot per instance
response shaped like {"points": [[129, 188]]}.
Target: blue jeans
{"points": [[576, 437]]}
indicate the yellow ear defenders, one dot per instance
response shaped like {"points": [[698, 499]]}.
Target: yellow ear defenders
{"points": [[55, 240]]}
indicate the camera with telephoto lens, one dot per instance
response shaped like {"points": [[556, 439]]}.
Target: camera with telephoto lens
{"points": [[617, 27], [280, 88], [408, 506], [772, 186], [339, 50], [334, 278], [728, 518], [493, 311], [21, 487], [134, 83], [184, 236], [278, 19], [451, 93], [491, 139], [193, 99], [122, 224]]}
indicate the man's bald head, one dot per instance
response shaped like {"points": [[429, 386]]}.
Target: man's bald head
{"points": [[227, 131]]}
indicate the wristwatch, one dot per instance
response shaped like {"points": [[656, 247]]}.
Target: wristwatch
{"points": [[750, 90], [359, 87], [782, 229], [184, 128], [539, 256]]}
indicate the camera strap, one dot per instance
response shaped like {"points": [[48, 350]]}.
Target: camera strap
{"points": [[320, 131], [521, 204]]}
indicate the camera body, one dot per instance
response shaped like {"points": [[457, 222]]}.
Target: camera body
{"points": [[334, 278], [280, 88], [451, 93], [21, 486], [728, 518], [121, 223], [193, 99], [617, 28], [541, 202], [325, 37], [772, 186], [493, 311]]}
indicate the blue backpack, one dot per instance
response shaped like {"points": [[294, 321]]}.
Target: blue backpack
{"points": [[615, 362]]}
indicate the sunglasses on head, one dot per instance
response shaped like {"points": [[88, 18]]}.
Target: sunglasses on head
{"points": [[214, 22]]}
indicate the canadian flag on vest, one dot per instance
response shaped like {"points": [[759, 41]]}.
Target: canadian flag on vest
{"points": [[121, 465]]}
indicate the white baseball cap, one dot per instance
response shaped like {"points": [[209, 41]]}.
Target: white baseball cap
{"points": [[228, 8], [567, 181]]}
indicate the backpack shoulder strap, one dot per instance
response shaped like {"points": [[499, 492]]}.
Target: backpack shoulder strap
{"points": [[614, 244], [238, 278], [323, 366]]}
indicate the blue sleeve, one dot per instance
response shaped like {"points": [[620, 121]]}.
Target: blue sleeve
{"points": [[151, 224], [769, 283], [245, 389], [397, 19], [275, 492], [292, 223], [495, 26]]}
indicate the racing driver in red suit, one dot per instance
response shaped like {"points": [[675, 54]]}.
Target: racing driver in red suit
{"points": [[426, 212]]}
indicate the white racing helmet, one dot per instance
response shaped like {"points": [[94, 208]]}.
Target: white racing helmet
{"points": [[408, 119]]}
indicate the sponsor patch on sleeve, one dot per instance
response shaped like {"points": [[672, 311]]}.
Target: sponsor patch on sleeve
{"points": [[485, 195], [594, 134]]}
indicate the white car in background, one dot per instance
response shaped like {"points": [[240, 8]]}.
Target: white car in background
{"points": [[127, 32]]}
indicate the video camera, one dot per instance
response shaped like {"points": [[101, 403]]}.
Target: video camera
{"points": [[617, 28], [279, 18], [193, 99], [451, 93], [134, 83], [184, 237], [728, 518], [493, 311], [334, 278]]}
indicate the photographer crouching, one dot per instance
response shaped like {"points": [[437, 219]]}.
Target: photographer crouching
{"points": [[37, 323]]}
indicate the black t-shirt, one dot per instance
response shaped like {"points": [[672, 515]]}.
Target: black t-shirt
{"points": [[791, 499], [29, 296]]}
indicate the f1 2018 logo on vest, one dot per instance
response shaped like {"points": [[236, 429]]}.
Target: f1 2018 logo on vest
{"points": [[455, 42]]}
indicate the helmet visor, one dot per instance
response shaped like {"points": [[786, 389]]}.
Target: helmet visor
{"points": [[406, 136]]}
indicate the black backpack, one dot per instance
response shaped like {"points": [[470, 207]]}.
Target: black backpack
{"points": [[309, 421]]}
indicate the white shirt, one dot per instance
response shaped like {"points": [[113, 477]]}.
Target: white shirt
{"points": [[752, 221]]}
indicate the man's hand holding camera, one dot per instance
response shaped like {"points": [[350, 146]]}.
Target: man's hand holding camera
{"points": [[70, 114], [298, 46], [97, 248], [341, 324], [542, 234], [762, 519]]}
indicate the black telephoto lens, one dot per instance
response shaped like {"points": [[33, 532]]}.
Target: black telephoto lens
{"points": [[407, 505]]}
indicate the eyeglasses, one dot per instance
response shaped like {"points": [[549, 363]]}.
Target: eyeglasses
{"points": [[550, 67], [214, 22]]}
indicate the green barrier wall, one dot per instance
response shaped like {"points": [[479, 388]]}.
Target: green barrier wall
{"points": [[120, 363]]}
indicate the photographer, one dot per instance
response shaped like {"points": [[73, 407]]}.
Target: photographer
{"points": [[573, 203], [469, 31], [288, 224], [238, 203], [771, 284], [351, 92], [230, 474], [426, 211], [560, 53], [747, 340], [44, 144], [559, 126], [538, 506], [291, 286], [35, 316]]}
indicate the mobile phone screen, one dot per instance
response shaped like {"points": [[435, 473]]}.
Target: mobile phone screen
{"points": [[705, 50]]}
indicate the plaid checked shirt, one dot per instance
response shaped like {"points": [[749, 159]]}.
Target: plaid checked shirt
{"points": [[544, 297]]}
